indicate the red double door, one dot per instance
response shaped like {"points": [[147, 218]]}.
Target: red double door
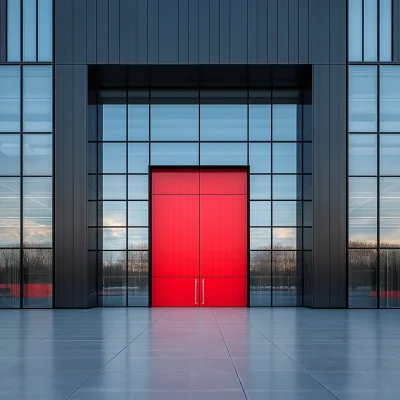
{"points": [[199, 237]]}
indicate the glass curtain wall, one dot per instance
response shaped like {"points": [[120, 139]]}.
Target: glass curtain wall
{"points": [[26, 259], [262, 129], [373, 163]]}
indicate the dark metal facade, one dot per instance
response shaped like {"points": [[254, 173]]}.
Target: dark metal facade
{"points": [[196, 32]]}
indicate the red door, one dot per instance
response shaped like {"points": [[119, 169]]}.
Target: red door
{"points": [[199, 237]]}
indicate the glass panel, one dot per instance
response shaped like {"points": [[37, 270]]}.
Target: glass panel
{"points": [[307, 187], [9, 99], [174, 122], [138, 187], [223, 153], [362, 155], [112, 158], [260, 187], [285, 239], [138, 122], [284, 122], [385, 16], [92, 188], [286, 187], [114, 122], [260, 122], [260, 278], [370, 30], [45, 30], [112, 286], [260, 157], [362, 212], [112, 187], [9, 212], [260, 213], [92, 213], [38, 278], [92, 238], [174, 154], [138, 213], [260, 238], [9, 278], [9, 154], [285, 283], [37, 99], [138, 239], [362, 98], [362, 278], [112, 213], [138, 281], [390, 278], [286, 213], [92, 158], [307, 213], [390, 98], [307, 158], [38, 155], [390, 212], [307, 238], [390, 155], [13, 30], [138, 157], [29, 31], [223, 122], [112, 239], [37, 212], [286, 158], [355, 30]]}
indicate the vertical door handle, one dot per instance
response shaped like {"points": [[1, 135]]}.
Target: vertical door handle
{"points": [[202, 281], [195, 291]]}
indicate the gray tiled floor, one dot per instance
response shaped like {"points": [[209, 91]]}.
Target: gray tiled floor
{"points": [[195, 354]]}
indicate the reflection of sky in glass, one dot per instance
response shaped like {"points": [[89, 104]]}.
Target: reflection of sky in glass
{"points": [[260, 238], [138, 187], [390, 211], [174, 154], [223, 122], [362, 211], [112, 238], [370, 30], [9, 211], [38, 154], [223, 153], [362, 154], [113, 187], [113, 158], [138, 122], [285, 213], [390, 99], [9, 154], [138, 158], [45, 30], [112, 213], [260, 157], [260, 213], [390, 154], [260, 187], [284, 125], [286, 187], [9, 99], [138, 238], [286, 157], [260, 122], [29, 30], [355, 30], [284, 238], [174, 122], [37, 212], [114, 122], [137, 213]]}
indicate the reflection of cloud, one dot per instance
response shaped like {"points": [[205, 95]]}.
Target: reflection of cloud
{"points": [[114, 238], [37, 235], [284, 233], [9, 236]]}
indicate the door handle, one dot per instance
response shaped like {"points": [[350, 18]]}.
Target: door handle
{"points": [[195, 291], [202, 281]]}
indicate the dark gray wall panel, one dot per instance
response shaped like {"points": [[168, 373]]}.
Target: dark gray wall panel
{"points": [[272, 26], [319, 31], [338, 40], [80, 30], [142, 29], [183, 31], [214, 32], [128, 40], [238, 32], [224, 31], [193, 31], [337, 190], [168, 50], [91, 29], [113, 32], [396, 30], [3, 31], [204, 32], [303, 32], [262, 32], [293, 31], [64, 34], [80, 264], [283, 31], [102, 32], [252, 11], [152, 36], [321, 189]]}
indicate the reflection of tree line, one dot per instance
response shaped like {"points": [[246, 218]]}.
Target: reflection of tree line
{"points": [[37, 264], [363, 265]]}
